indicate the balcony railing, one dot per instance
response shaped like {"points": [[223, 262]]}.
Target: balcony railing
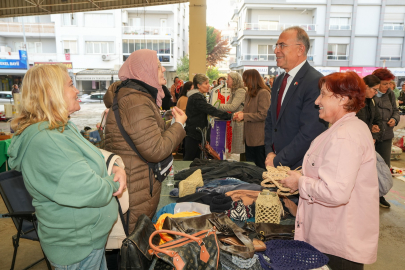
{"points": [[388, 26], [278, 26], [258, 57], [266, 57], [340, 27], [390, 58], [29, 27], [338, 57], [148, 30]]}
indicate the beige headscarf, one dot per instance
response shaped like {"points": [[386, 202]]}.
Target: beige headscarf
{"points": [[142, 65]]}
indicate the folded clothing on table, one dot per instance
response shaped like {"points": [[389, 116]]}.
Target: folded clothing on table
{"points": [[247, 196]]}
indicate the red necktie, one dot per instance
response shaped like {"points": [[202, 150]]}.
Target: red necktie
{"points": [[281, 92]]}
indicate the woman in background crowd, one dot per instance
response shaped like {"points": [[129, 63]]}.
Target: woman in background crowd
{"points": [[221, 80], [175, 89], [182, 102], [233, 105], [370, 113], [257, 103], [387, 106], [401, 98], [197, 111], [338, 211], [393, 87]]}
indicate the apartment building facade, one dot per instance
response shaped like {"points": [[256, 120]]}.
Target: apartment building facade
{"points": [[358, 35], [94, 45]]}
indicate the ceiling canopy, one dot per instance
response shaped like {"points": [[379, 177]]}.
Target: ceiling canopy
{"points": [[16, 8]]}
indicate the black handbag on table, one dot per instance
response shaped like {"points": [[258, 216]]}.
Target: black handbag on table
{"points": [[160, 169]]}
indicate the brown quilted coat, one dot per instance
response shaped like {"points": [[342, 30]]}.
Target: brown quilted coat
{"points": [[140, 117]]}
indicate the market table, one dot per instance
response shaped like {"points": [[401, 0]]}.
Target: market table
{"points": [[164, 195]]}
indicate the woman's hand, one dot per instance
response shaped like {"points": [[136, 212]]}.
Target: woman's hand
{"points": [[238, 116], [391, 123], [375, 129], [121, 177], [291, 181], [179, 115]]}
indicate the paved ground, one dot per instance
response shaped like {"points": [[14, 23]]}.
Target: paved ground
{"points": [[392, 221]]}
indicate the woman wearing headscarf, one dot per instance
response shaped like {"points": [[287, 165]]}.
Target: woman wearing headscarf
{"points": [[139, 98], [235, 104], [338, 207], [64, 173]]}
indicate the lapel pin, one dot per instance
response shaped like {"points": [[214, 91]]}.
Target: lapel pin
{"points": [[296, 83]]}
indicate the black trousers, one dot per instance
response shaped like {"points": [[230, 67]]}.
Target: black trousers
{"points": [[384, 149], [191, 149], [338, 263], [256, 154]]}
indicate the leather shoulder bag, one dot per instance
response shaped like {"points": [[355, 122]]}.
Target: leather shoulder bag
{"points": [[191, 252]]}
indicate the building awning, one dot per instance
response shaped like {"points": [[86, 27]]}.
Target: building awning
{"points": [[93, 77], [16, 8], [12, 71]]}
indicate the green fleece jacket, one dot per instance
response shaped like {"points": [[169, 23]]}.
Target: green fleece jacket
{"points": [[72, 193]]}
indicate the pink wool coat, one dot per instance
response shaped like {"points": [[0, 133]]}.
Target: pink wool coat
{"points": [[338, 212]]}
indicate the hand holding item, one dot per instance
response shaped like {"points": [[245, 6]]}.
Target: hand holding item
{"points": [[400, 102], [270, 159], [121, 177], [179, 115], [375, 129], [291, 181], [391, 123], [238, 116]]}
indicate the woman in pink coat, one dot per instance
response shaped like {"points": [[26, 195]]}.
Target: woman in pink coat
{"points": [[338, 209]]}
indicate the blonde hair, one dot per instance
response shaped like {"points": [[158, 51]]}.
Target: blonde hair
{"points": [[42, 98]]}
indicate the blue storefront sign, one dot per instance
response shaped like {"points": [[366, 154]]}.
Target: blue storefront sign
{"points": [[14, 63]]}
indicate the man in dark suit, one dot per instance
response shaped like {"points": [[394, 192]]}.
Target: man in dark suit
{"points": [[292, 121]]}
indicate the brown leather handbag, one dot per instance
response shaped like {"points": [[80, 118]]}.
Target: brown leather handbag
{"points": [[234, 241], [209, 151], [197, 251], [224, 227]]}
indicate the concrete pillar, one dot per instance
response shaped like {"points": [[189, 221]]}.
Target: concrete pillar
{"points": [[197, 37]]}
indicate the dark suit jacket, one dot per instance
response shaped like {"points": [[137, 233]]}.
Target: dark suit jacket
{"points": [[298, 123], [370, 115]]}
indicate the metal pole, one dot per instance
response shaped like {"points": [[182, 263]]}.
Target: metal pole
{"points": [[25, 43]]}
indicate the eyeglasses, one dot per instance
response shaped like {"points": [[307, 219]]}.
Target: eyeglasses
{"points": [[375, 89], [281, 46]]}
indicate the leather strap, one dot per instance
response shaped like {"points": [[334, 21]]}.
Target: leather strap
{"points": [[247, 251], [173, 254]]}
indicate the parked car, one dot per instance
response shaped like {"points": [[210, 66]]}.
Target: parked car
{"points": [[6, 97], [93, 98]]}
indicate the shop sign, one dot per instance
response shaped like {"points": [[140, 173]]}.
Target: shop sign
{"points": [[93, 77], [368, 70], [358, 70], [262, 70], [15, 63], [327, 70], [68, 65], [67, 56], [397, 71]]}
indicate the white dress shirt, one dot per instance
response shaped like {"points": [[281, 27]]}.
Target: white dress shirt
{"points": [[292, 74]]}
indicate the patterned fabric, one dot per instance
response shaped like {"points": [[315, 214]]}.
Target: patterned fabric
{"points": [[241, 212], [233, 105], [232, 262]]}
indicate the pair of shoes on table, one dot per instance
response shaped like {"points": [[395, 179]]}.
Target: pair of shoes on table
{"points": [[384, 203]]}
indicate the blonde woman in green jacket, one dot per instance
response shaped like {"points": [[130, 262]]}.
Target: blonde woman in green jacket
{"points": [[66, 175]]}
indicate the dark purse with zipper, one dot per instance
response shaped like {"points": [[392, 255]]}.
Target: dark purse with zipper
{"points": [[134, 250], [160, 169], [270, 231]]}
